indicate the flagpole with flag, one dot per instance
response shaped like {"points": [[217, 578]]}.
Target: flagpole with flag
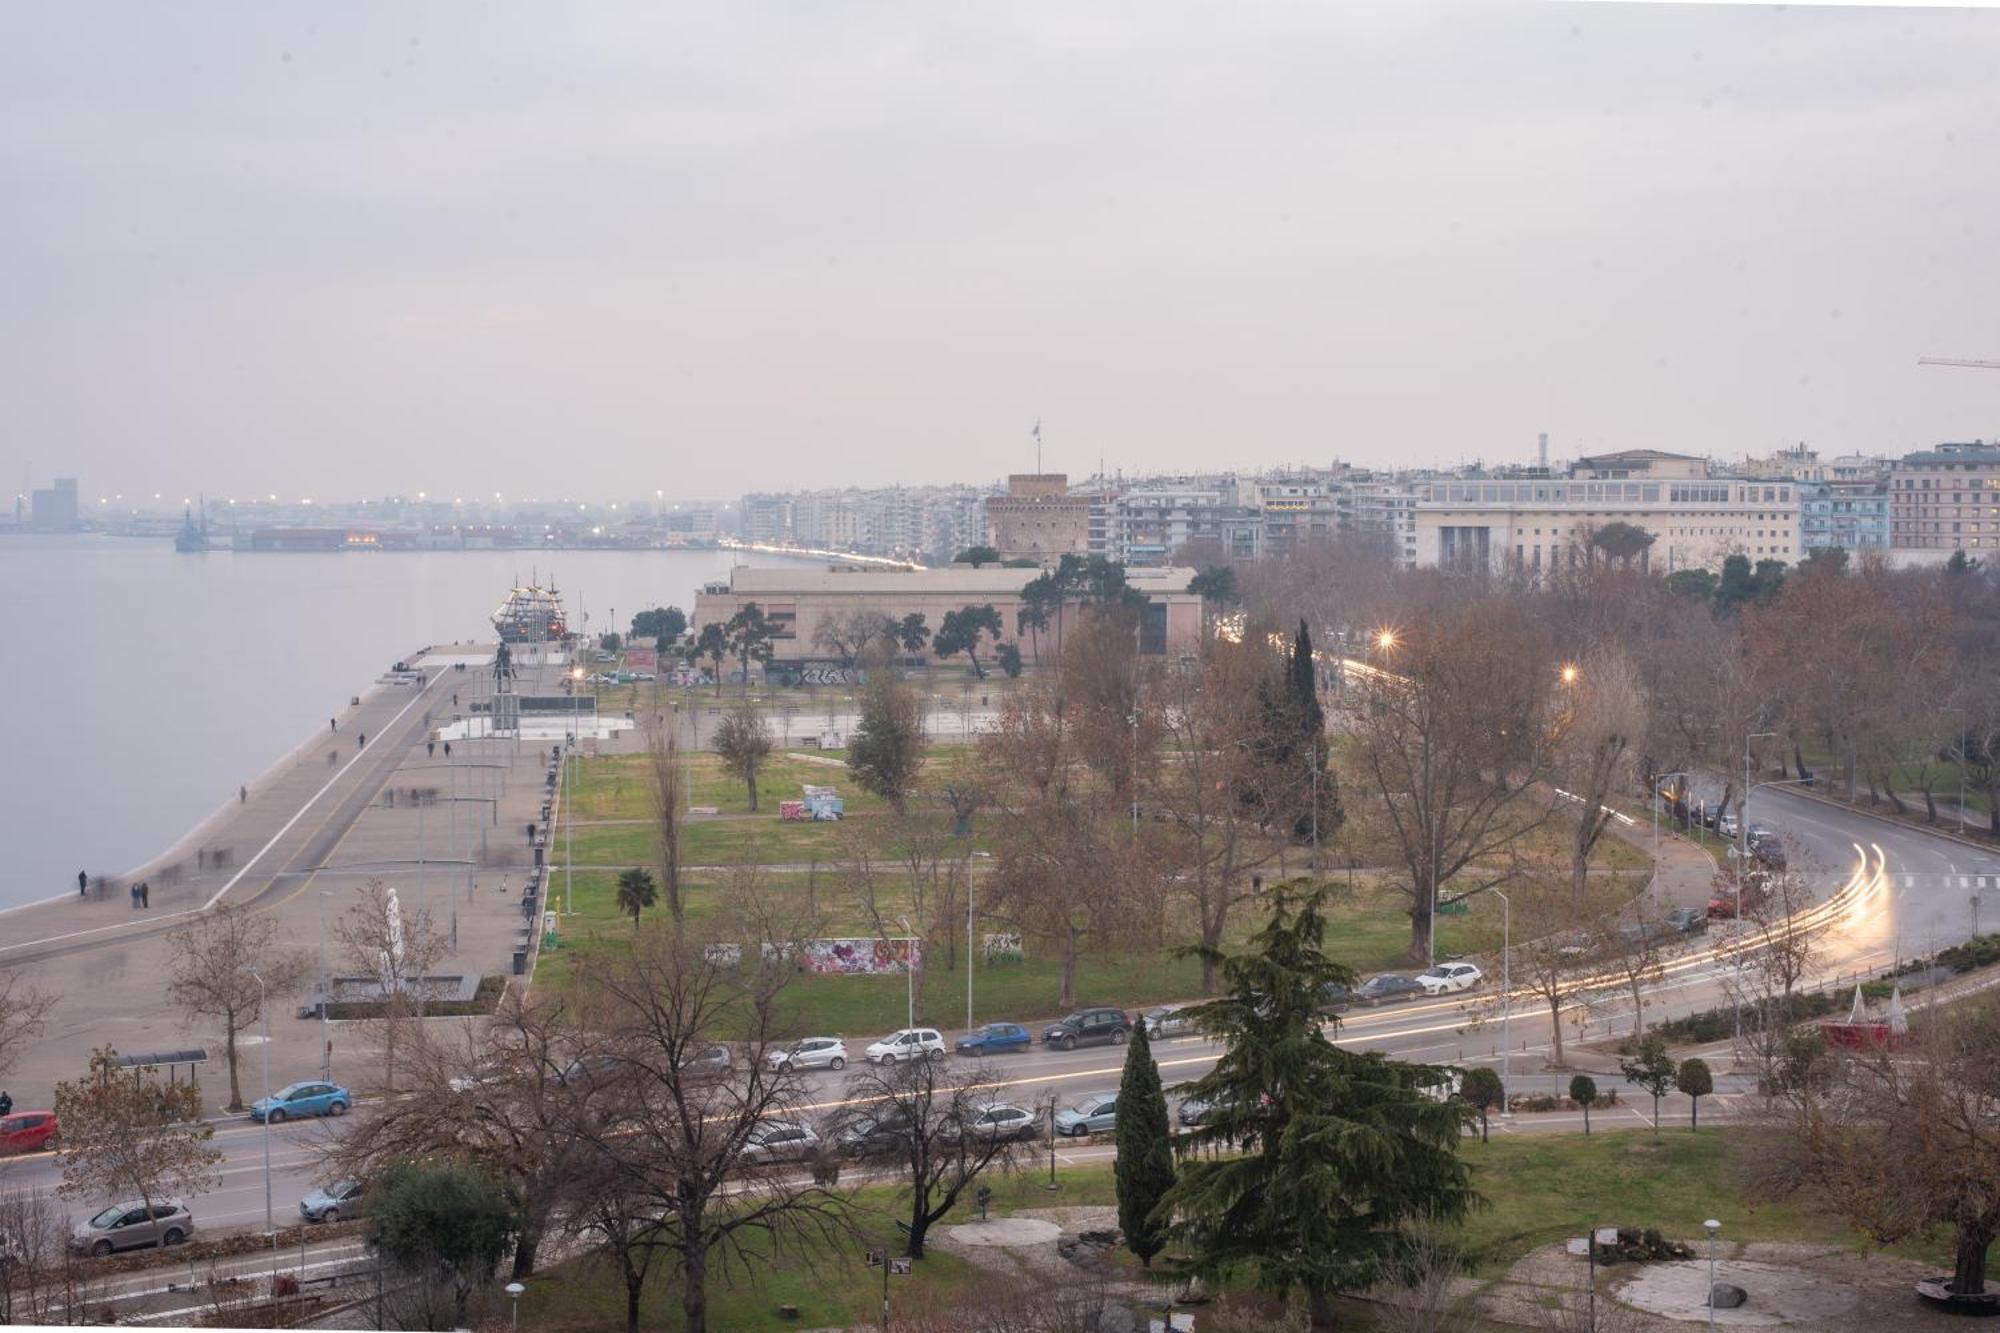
{"points": [[1037, 433]]}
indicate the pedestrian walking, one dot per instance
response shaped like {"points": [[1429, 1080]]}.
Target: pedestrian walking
{"points": [[243, 796], [133, 894], [145, 894], [362, 742], [430, 749], [454, 698], [447, 749], [333, 724], [82, 883]]}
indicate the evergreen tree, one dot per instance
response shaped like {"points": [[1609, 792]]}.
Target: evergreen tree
{"points": [[1145, 1167], [1583, 1091], [1697, 1082], [1333, 1155], [1482, 1090], [886, 751], [1295, 748]]}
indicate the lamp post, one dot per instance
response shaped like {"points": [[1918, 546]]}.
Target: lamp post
{"points": [[968, 946], [514, 1289], [909, 969], [1712, 1227], [270, 1223], [1743, 821], [1506, 996]]}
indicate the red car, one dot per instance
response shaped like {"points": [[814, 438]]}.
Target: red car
{"points": [[27, 1131]]}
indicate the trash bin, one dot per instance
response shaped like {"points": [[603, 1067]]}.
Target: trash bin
{"points": [[538, 855], [520, 962]]}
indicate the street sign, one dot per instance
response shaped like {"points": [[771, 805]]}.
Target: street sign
{"points": [[900, 1267], [875, 1258]]}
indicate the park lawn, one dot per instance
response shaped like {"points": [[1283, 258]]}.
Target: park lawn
{"points": [[760, 840], [828, 1282], [620, 786]]}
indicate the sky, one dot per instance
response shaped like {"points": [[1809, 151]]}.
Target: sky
{"points": [[604, 249]]}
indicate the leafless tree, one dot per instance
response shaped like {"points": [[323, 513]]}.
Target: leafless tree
{"points": [[743, 742], [214, 966], [396, 946], [38, 1272], [667, 767], [1455, 738], [1605, 707], [24, 1012], [848, 635], [921, 1119], [939, 867], [1900, 1142], [1212, 783], [1425, 1298], [1634, 948], [675, 1143]]}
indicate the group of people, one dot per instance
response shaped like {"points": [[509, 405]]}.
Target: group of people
{"points": [[142, 894]]}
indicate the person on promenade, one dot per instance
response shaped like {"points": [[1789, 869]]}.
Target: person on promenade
{"points": [[6, 1104], [430, 749], [243, 796], [333, 724], [82, 883], [447, 749], [145, 894], [362, 741], [133, 893]]}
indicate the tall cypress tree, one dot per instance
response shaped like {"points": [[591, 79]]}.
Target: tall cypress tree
{"points": [[1145, 1167]]}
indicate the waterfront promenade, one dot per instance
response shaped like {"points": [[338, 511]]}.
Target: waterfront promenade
{"points": [[301, 843]]}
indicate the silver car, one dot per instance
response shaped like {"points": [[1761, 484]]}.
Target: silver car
{"points": [[780, 1141], [1170, 1020], [340, 1199], [811, 1053], [130, 1226]]}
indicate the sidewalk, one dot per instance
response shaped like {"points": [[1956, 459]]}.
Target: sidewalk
{"points": [[313, 832]]}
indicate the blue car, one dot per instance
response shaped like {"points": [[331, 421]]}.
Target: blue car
{"points": [[995, 1038], [302, 1099]]}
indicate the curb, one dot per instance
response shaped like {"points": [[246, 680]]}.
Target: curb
{"points": [[1925, 829]]}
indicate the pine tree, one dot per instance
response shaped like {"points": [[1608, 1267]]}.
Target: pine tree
{"points": [[1145, 1167], [1332, 1155]]}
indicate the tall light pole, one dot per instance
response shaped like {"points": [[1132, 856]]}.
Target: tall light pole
{"points": [[969, 939], [1743, 824], [514, 1289], [270, 1222], [909, 969], [1506, 996]]}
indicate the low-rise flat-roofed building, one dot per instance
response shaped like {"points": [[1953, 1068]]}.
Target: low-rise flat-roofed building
{"points": [[798, 599]]}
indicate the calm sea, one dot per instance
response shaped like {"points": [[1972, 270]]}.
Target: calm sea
{"points": [[142, 686]]}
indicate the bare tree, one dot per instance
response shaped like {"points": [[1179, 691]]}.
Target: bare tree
{"points": [[214, 966], [1560, 948], [1456, 737], [37, 1272], [668, 769], [849, 634], [125, 1135], [743, 742], [1211, 784], [1605, 706], [939, 867], [397, 947], [922, 1118], [675, 1144], [24, 1012], [1901, 1142], [1425, 1297], [1634, 948]]}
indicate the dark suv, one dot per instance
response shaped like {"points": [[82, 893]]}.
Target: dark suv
{"points": [[1089, 1027]]}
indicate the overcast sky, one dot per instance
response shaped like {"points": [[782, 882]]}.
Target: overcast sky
{"points": [[355, 249]]}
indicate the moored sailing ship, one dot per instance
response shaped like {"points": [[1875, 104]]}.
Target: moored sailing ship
{"points": [[531, 614]]}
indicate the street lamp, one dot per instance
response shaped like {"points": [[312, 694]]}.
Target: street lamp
{"points": [[514, 1289], [909, 969], [1569, 673], [1659, 778], [1506, 996], [1712, 1227], [1385, 639], [270, 1223]]}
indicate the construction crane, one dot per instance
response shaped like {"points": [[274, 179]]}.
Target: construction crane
{"points": [[1948, 361]]}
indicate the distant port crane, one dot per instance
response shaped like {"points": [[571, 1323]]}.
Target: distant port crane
{"points": [[1952, 361]]}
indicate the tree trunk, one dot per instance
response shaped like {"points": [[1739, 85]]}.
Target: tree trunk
{"points": [[1968, 1274], [1556, 1033], [694, 1287], [526, 1244], [1930, 807], [750, 782], [920, 1223], [1420, 927], [1694, 1113], [1319, 1309], [229, 1050], [635, 1285], [1586, 1119], [1068, 970], [1638, 1007]]}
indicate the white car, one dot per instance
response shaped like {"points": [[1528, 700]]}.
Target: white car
{"points": [[1448, 977], [811, 1053], [908, 1044]]}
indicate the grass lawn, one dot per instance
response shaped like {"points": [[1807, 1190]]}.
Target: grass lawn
{"points": [[762, 839], [620, 786], [1539, 1189]]}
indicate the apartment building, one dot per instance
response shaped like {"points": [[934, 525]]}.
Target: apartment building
{"points": [[1946, 499]]}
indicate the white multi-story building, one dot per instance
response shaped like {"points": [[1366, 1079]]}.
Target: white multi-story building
{"points": [[1696, 520], [1383, 511]]}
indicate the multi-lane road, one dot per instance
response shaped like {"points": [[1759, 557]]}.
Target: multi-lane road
{"points": [[1903, 892]]}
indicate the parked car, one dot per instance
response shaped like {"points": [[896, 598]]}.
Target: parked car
{"points": [[1768, 852], [1688, 920], [493, 1071], [1445, 978], [906, 1044], [873, 1135], [709, 1063], [1709, 814], [1170, 1020], [130, 1226], [343, 1198], [1095, 1114], [1089, 1027], [1725, 825], [780, 1141], [27, 1131], [1334, 996], [1193, 1111], [811, 1053], [1389, 986], [297, 1099], [995, 1038], [1000, 1120]]}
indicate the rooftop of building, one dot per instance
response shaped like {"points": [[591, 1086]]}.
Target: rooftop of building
{"points": [[986, 581], [1976, 451]]}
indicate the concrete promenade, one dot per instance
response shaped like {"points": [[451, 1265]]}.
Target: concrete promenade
{"points": [[328, 817]]}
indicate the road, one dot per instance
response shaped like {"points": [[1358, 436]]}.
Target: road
{"points": [[1916, 897]]}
